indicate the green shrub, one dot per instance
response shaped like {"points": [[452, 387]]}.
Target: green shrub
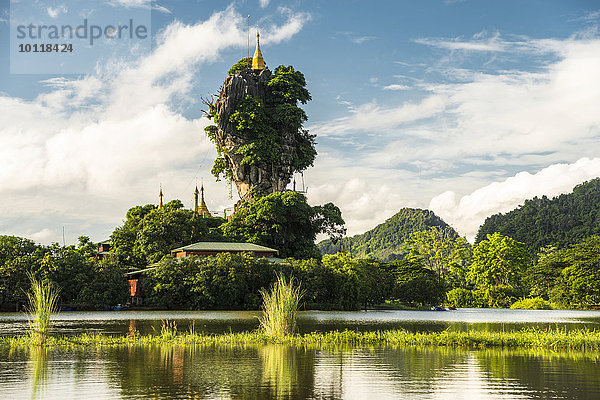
{"points": [[500, 296], [532, 304], [460, 297], [415, 284]]}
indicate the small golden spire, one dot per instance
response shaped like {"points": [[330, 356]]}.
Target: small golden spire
{"points": [[203, 209], [160, 196], [258, 63], [196, 199]]}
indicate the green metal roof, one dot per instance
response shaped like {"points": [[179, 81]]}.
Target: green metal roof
{"points": [[224, 247], [107, 241], [140, 271]]}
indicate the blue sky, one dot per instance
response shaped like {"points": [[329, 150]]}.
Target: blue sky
{"points": [[463, 107]]}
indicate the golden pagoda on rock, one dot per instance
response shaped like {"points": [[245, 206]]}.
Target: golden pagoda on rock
{"points": [[258, 63]]}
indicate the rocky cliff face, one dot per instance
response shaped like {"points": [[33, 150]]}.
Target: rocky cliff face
{"points": [[249, 177]]}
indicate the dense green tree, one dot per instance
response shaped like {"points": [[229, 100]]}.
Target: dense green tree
{"points": [[18, 257], [123, 238], [461, 297], [498, 260], [386, 241], [149, 233], [542, 276], [317, 281], [579, 283], [415, 284], [443, 251], [105, 286], [284, 221], [226, 281], [83, 281], [229, 281], [86, 247], [358, 283]]}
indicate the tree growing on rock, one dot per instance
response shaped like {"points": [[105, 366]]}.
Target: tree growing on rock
{"points": [[258, 129]]}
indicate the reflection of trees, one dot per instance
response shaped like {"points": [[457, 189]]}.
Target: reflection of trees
{"points": [[291, 372], [244, 372], [391, 370], [544, 373]]}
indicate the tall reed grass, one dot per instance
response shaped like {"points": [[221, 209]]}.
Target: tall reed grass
{"points": [[280, 306], [43, 302]]}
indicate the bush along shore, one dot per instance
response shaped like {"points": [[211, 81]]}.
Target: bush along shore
{"points": [[579, 339]]}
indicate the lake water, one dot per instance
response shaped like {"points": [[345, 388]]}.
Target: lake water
{"points": [[148, 322], [288, 372]]}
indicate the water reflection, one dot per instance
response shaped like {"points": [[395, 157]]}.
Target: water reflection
{"points": [[149, 322], [279, 369], [38, 358], [291, 372]]}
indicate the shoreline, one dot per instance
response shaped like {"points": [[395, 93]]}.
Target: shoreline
{"points": [[555, 339]]}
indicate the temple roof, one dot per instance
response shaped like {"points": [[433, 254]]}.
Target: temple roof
{"points": [[224, 247]]}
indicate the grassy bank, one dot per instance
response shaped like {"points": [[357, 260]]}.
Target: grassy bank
{"points": [[530, 338]]}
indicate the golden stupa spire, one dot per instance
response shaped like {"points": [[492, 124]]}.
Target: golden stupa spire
{"points": [[258, 63], [202, 209], [160, 198]]}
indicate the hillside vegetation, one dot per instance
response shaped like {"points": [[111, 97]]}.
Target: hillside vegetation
{"points": [[561, 221], [385, 241]]}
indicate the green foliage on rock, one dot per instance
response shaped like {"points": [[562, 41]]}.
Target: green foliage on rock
{"points": [[387, 240], [267, 124], [252, 121], [284, 221], [244, 63], [564, 220]]}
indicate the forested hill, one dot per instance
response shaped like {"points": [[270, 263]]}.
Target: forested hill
{"points": [[385, 240], [561, 221]]}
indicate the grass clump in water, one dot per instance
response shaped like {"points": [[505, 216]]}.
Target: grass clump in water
{"points": [[280, 306], [43, 302]]}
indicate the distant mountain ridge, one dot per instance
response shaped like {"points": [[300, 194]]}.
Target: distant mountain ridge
{"points": [[386, 240], [561, 221]]}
